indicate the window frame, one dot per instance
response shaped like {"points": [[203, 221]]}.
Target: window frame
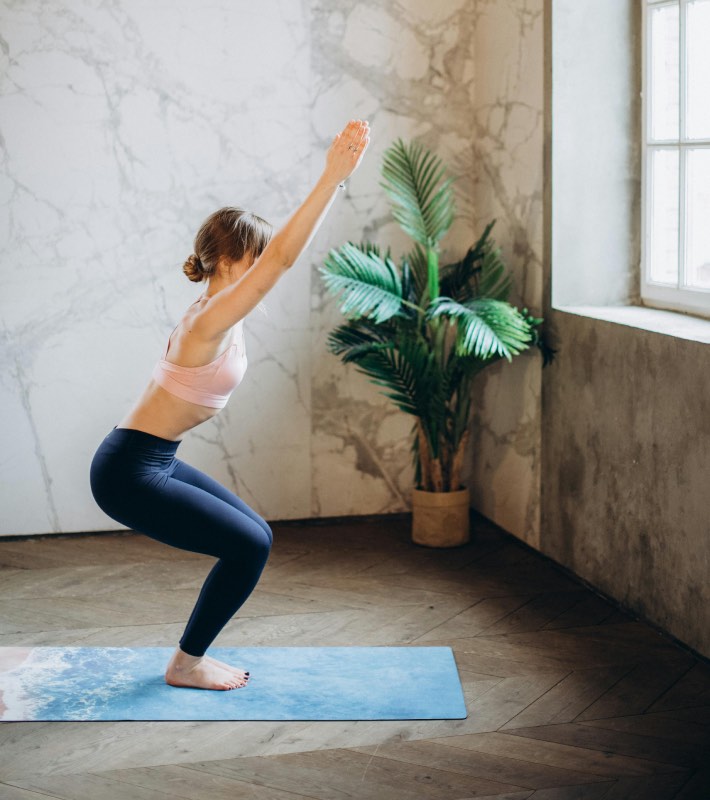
{"points": [[695, 301]]}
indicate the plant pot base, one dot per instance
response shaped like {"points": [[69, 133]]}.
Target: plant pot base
{"points": [[440, 519]]}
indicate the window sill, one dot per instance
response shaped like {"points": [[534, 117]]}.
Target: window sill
{"points": [[670, 323]]}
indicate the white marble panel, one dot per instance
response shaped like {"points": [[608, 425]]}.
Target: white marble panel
{"points": [[126, 123]]}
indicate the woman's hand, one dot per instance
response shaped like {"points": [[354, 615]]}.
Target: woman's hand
{"points": [[346, 151]]}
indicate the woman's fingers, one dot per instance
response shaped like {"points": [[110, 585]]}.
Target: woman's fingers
{"points": [[361, 134], [353, 131], [355, 135], [347, 149], [350, 128]]}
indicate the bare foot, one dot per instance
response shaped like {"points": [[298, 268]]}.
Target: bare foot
{"points": [[240, 673], [201, 673]]}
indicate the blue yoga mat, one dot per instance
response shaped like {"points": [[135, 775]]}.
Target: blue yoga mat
{"points": [[286, 683]]}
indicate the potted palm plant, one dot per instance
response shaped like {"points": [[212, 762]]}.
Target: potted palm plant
{"points": [[425, 331]]}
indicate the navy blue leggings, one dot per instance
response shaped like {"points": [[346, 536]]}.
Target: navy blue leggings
{"points": [[137, 480]]}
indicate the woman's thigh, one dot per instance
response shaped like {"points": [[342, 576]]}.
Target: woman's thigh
{"points": [[195, 477], [190, 518]]}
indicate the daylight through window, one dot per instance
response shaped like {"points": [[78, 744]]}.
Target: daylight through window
{"points": [[676, 143]]}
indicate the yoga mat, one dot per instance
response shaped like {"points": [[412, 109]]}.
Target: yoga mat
{"points": [[298, 683]]}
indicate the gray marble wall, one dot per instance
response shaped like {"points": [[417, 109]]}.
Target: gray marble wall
{"points": [[123, 125], [507, 139]]}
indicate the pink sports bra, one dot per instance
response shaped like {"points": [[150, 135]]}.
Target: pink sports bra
{"points": [[210, 384]]}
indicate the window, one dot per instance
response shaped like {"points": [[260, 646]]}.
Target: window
{"points": [[675, 245]]}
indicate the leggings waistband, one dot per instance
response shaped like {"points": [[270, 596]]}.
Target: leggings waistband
{"points": [[133, 439]]}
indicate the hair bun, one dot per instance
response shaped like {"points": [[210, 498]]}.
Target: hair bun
{"points": [[193, 268]]}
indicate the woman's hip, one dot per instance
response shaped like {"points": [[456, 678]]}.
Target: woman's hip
{"points": [[127, 460]]}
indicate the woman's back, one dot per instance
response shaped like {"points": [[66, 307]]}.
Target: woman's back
{"points": [[193, 384], [209, 384]]}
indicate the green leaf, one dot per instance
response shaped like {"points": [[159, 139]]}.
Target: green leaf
{"points": [[423, 200], [417, 260], [480, 273], [370, 286], [403, 364], [353, 340], [494, 280], [485, 326]]}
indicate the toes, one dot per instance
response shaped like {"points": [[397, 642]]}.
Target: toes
{"points": [[238, 674]]}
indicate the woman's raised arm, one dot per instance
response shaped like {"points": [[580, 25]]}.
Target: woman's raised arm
{"points": [[229, 305]]}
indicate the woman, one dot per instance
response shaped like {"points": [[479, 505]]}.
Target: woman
{"points": [[136, 478]]}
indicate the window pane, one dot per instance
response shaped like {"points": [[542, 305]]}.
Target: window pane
{"points": [[697, 251], [698, 69], [663, 238], [664, 77]]}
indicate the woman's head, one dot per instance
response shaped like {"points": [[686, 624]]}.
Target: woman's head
{"points": [[227, 235]]}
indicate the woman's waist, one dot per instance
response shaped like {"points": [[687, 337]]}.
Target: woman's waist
{"points": [[133, 444], [164, 414]]}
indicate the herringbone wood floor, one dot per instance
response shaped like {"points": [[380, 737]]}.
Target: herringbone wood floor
{"points": [[568, 698]]}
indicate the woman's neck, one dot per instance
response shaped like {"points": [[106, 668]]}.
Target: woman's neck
{"points": [[220, 281]]}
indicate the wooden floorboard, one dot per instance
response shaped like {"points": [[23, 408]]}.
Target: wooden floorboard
{"points": [[568, 697]]}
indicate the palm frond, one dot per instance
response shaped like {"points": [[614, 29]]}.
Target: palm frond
{"points": [[412, 375], [370, 286], [352, 340], [485, 326], [540, 338], [423, 200], [409, 292], [386, 367], [416, 258], [471, 365], [494, 280], [480, 273], [431, 383], [373, 247]]}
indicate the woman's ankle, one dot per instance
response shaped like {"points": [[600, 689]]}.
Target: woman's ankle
{"points": [[181, 652], [183, 658]]}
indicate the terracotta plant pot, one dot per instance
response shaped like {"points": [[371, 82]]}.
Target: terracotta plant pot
{"points": [[440, 519]]}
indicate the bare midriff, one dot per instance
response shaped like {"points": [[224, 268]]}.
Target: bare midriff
{"points": [[162, 414]]}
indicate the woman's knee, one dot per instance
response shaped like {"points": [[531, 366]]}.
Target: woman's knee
{"points": [[251, 541], [263, 524], [266, 542]]}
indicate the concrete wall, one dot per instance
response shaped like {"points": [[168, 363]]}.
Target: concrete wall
{"points": [[626, 459]]}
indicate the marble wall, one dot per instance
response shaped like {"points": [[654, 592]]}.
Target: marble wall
{"points": [[125, 123], [507, 136]]}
